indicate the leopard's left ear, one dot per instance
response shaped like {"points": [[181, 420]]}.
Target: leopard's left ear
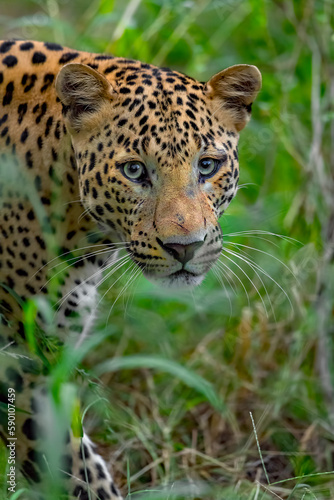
{"points": [[235, 88]]}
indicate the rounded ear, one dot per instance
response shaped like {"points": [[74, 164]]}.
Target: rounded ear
{"points": [[83, 91], [236, 88]]}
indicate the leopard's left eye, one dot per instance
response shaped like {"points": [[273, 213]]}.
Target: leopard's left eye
{"points": [[207, 166]]}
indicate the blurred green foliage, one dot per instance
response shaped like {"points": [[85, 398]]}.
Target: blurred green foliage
{"points": [[263, 339]]}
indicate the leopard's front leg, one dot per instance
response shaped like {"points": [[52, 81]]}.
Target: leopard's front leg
{"points": [[80, 470]]}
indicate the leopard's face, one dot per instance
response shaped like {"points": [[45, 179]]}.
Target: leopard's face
{"points": [[157, 164]]}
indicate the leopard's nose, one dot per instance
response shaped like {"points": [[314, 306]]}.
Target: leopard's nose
{"points": [[180, 252]]}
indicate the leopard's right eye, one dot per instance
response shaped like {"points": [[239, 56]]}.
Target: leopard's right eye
{"points": [[134, 171]]}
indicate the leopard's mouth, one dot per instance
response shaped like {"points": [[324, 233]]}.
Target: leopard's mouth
{"points": [[178, 279], [182, 273]]}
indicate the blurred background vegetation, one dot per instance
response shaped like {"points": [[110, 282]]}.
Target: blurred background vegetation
{"points": [[260, 329]]}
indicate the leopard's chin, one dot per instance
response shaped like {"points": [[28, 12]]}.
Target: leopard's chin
{"points": [[180, 279]]}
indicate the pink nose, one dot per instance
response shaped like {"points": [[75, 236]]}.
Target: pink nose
{"points": [[182, 253]]}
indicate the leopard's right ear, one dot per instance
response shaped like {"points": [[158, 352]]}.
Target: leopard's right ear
{"points": [[83, 91]]}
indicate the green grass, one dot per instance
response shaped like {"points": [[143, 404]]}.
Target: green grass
{"points": [[169, 382]]}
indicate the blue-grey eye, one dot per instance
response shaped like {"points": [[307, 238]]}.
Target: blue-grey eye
{"points": [[134, 170], [207, 167]]}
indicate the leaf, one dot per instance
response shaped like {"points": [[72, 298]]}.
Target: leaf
{"points": [[188, 377]]}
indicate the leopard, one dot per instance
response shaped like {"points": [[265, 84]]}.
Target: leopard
{"points": [[100, 155]]}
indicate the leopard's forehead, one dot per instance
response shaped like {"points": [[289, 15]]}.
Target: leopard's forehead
{"points": [[163, 112], [164, 95], [151, 78]]}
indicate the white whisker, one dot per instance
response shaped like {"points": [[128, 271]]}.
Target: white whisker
{"points": [[265, 253], [113, 269], [255, 287], [65, 297], [263, 232], [215, 271], [110, 274], [141, 269], [93, 311], [220, 263], [254, 266], [229, 279], [88, 255], [241, 186], [71, 251], [120, 277], [251, 265], [125, 287], [258, 237], [83, 214], [103, 235], [64, 268], [70, 202]]}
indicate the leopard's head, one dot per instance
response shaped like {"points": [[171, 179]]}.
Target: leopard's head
{"points": [[157, 158]]}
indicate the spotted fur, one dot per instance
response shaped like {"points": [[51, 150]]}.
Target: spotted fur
{"points": [[71, 123]]}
